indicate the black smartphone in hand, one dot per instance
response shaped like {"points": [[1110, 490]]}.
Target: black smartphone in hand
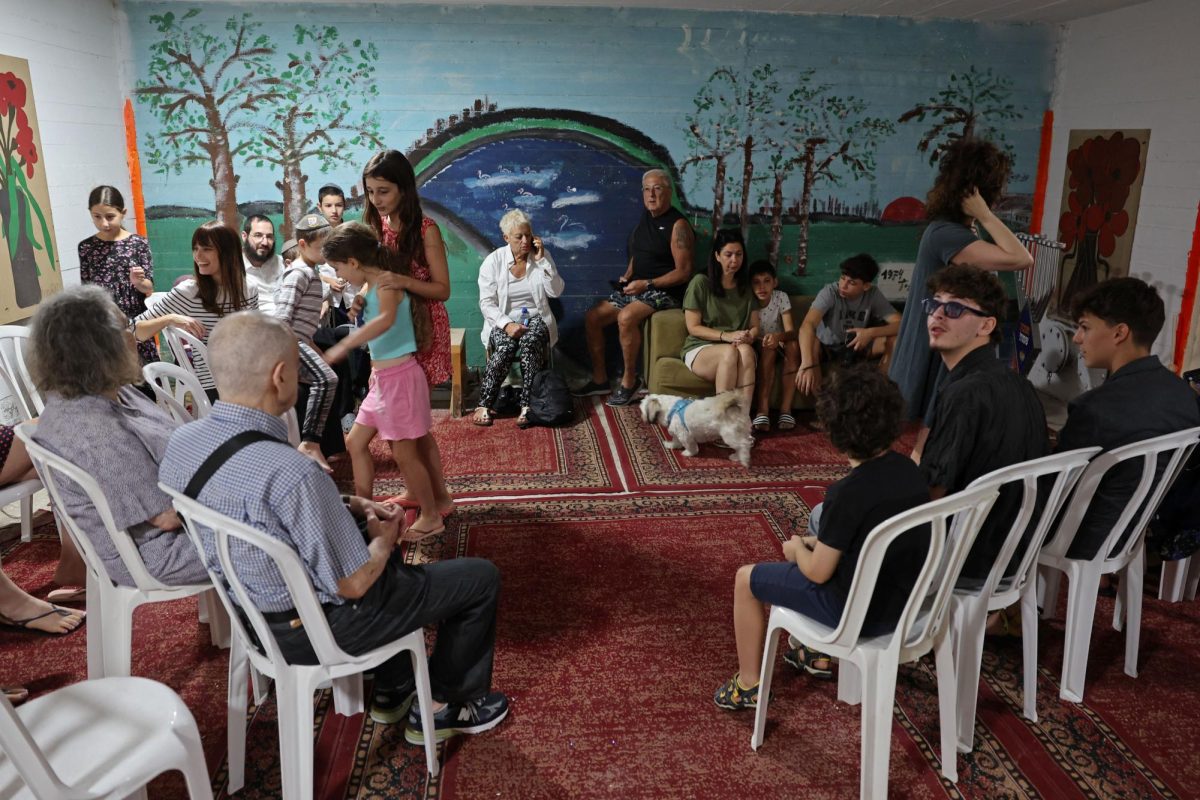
{"points": [[618, 285]]}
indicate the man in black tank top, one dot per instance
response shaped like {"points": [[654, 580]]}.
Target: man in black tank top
{"points": [[661, 249]]}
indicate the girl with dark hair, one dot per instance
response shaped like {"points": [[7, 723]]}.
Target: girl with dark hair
{"points": [[397, 405], [393, 209], [722, 318], [118, 260], [971, 179], [217, 287]]}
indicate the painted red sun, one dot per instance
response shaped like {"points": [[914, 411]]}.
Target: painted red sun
{"points": [[904, 209]]}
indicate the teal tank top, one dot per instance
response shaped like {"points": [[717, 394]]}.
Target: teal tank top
{"points": [[398, 340]]}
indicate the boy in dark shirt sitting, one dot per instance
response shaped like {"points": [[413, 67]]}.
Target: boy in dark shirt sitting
{"points": [[1119, 320], [862, 410]]}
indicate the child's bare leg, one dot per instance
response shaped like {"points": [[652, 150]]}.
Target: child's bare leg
{"points": [[431, 454], [791, 365], [358, 442], [407, 455], [766, 379], [749, 627]]}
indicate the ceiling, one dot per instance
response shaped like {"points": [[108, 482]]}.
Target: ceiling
{"points": [[1044, 11]]}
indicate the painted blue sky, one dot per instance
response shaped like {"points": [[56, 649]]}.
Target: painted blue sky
{"points": [[640, 67]]}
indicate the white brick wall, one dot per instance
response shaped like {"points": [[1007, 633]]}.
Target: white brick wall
{"points": [[71, 47], [1137, 68]]}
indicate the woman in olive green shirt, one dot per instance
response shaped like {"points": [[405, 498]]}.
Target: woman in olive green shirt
{"points": [[722, 318]]}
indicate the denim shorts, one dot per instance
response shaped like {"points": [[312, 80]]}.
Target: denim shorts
{"points": [[655, 298]]}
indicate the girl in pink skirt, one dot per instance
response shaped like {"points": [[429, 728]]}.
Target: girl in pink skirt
{"points": [[397, 403]]}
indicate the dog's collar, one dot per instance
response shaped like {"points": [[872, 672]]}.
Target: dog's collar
{"points": [[678, 409]]}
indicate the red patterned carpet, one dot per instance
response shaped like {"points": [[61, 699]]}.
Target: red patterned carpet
{"points": [[614, 630], [505, 460]]}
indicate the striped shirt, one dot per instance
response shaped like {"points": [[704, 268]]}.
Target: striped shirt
{"points": [[185, 299], [298, 301], [276, 489]]}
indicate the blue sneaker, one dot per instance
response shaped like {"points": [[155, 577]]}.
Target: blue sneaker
{"points": [[474, 716]]}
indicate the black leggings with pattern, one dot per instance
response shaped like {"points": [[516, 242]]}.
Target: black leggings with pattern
{"points": [[531, 348]]}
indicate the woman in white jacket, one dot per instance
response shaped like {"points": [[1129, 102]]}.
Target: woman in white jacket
{"points": [[516, 283]]}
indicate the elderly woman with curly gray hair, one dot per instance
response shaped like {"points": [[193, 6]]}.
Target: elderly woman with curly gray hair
{"points": [[516, 283], [84, 361]]}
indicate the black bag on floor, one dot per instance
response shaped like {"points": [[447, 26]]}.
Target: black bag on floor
{"points": [[550, 401]]}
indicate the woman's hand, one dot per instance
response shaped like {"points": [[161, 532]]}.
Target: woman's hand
{"points": [[974, 206], [192, 326], [515, 330], [393, 281], [537, 251], [739, 337], [136, 276]]}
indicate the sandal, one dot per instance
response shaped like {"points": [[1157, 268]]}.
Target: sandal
{"points": [[65, 595], [762, 423], [15, 694], [732, 696], [809, 661], [27, 624], [786, 422], [523, 421], [482, 417], [413, 534]]}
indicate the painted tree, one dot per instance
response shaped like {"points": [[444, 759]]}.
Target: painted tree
{"points": [[973, 103], [715, 128], [729, 122], [833, 139], [203, 87], [323, 89]]}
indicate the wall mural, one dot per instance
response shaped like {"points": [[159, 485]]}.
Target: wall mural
{"points": [[29, 268], [816, 135]]}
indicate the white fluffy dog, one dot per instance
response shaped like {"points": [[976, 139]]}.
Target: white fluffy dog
{"points": [[693, 422]]}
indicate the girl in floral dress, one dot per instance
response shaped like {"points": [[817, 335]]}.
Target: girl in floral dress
{"points": [[118, 260], [393, 209]]}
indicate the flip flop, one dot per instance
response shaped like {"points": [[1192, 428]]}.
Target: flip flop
{"points": [[786, 422], [410, 504], [485, 422], [412, 534], [67, 596], [15, 694], [762, 423], [25, 624]]}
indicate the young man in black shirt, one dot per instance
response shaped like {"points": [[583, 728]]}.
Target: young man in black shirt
{"points": [[1119, 320], [862, 410], [986, 416]]}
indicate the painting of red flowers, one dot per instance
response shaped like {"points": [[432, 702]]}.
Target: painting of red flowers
{"points": [[29, 268], [1101, 191]]}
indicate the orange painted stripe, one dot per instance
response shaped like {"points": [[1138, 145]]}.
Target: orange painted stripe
{"points": [[1188, 303], [1043, 173], [135, 168]]}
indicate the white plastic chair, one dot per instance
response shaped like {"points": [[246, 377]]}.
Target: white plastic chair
{"points": [[110, 607], [174, 398], [185, 348], [1179, 580], [923, 626], [1128, 560], [969, 607], [99, 739], [22, 491], [13, 341], [294, 683]]}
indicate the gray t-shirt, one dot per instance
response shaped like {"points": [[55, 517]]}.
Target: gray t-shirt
{"points": [[840, 314]]}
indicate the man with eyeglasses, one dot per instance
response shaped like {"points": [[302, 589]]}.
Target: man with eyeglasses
{"points": [[986, 416], [661, 248]]}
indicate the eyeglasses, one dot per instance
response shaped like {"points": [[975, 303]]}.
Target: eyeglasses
{"points": [[951, 308]]}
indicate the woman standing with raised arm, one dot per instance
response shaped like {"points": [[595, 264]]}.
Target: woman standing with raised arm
{"points": [[971, 178]]}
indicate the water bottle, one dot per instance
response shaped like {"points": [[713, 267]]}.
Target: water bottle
{"points": [[524, 317]]}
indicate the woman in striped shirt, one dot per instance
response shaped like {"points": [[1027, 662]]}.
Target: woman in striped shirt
{"points": [[217, 287]]}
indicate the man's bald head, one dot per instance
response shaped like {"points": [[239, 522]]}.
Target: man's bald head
{"points": [[244, 349]]}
